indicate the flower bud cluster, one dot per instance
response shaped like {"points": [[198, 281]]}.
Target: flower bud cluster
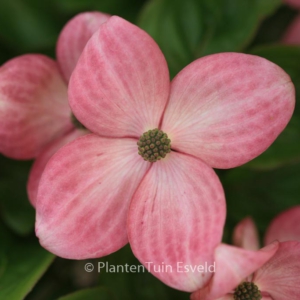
{"points": [[247, 290], [154, 145]]}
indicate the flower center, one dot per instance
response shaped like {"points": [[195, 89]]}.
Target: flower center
{"points": [[247, 290], [76, 123], [154, 145]]}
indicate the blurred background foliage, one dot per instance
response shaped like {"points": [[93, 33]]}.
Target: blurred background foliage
{"points": [[185, 30]]}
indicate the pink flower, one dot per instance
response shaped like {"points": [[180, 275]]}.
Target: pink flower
{"points": [[96, 192], [35, 114], [285, 227], [279, 278]]}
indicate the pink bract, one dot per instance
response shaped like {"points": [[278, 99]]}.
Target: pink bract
{"points": [[279, 278], [35, 113], [220, 111], [74, 37], [71, 42], [285, 227], [33, 104], [245, 235], [43, 158]]}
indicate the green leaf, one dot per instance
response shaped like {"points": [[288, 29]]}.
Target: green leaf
{"points": [[15, 209], [286, 148], [261, 195], [22, 263], [126, 8], [274, 27], [27, 25], [186, 30], [6, 240], [267, 7], [98, 293]]}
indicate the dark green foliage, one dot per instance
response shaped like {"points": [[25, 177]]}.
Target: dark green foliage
{"points": [[185, 31]]}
